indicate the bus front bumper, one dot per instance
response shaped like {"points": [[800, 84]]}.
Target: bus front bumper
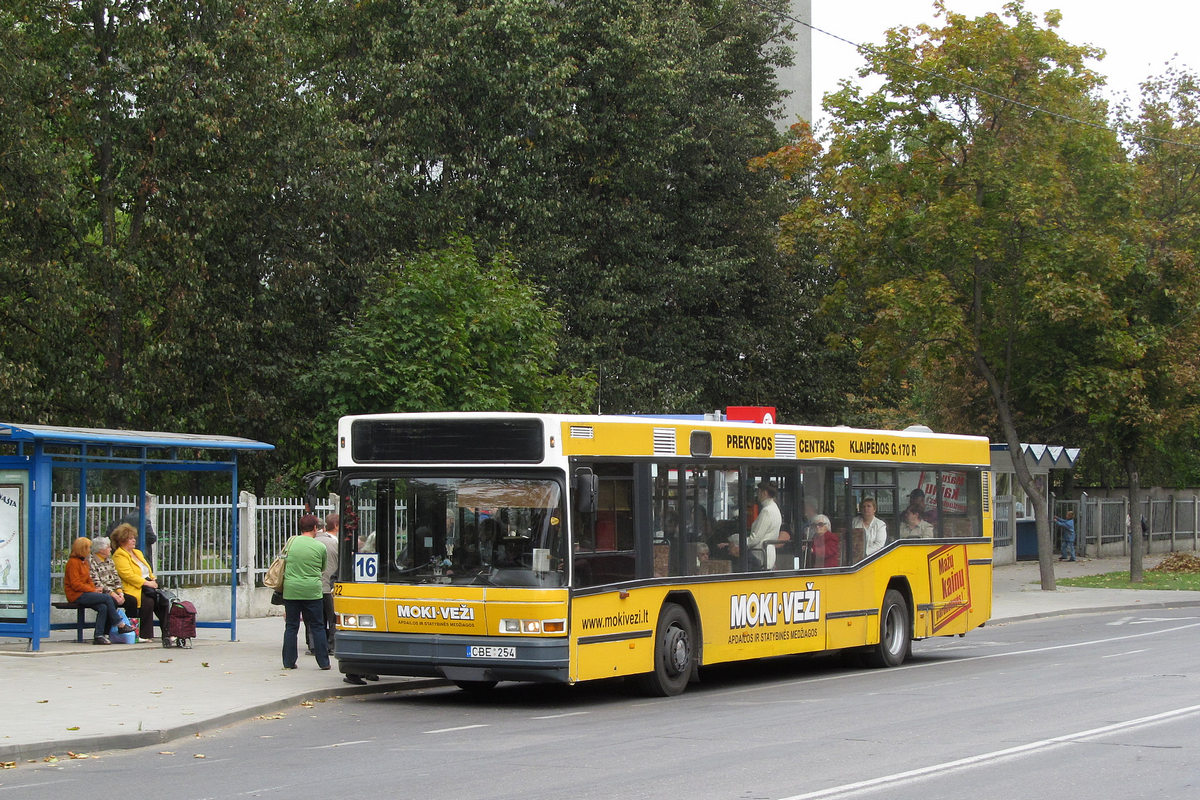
{"points": [[456, 658]]}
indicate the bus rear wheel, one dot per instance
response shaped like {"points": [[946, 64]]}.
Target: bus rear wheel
{"points": [[674, 653], [895, 632]]}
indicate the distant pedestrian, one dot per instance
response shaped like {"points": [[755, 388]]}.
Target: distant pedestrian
{"points": [[133, 518], [1067, 526], [305, 561]]}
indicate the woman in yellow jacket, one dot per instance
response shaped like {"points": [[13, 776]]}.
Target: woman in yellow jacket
{"points": [[138, 581]]}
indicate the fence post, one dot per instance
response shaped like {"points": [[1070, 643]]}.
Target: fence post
{"points": [[1173, 521], [248, 527], [1081, 524]]}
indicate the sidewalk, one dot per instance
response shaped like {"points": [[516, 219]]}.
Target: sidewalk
{"points": [[81, 698]]}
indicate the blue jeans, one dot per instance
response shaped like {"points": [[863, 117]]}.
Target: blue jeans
{"points": [[1068, 547], [314, 617], [106, 610]]}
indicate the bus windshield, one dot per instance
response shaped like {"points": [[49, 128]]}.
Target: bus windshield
{"points": [[483, 530]]}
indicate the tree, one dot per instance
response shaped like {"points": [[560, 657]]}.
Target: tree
{"points": [[1160, 398], [984, 237], [183, 207], [442, 331]]}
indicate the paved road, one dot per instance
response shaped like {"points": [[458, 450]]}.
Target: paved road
{"points": [[1086, 706]]}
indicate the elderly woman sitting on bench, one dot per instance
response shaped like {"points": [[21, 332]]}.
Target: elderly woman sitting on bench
{"points": [[79, 588]]}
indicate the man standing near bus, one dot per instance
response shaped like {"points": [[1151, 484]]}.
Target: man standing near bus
{"points": [[329, 538]]}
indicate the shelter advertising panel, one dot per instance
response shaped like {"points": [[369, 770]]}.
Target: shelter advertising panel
{"points": [[13, 546]]}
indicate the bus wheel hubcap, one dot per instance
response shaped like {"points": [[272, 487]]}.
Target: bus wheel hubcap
{"points": [[677, 650]]}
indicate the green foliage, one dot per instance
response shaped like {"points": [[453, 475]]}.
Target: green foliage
{"points": [[984, 238], [442, 331]]}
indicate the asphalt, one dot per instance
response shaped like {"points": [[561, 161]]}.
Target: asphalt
{"points": [[79, 699]]}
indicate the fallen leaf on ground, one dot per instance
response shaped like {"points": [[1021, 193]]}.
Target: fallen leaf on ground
{"points": [[166, 752], [73, 728], [51, 759], [199, 755], [204, 663], [8, 765], [78, 755]]}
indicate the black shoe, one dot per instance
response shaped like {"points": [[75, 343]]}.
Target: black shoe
{"points": [[357, 680], [168, 641], [293, 666], [371, 677], [125, 629], [101, 640], [327, 666]]}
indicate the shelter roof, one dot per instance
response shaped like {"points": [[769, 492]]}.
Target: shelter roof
{"points": [[1044, 456], [123, 438]]}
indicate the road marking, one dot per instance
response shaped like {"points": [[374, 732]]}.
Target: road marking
{"points": [[1126, 653], [340, 744], [956, 659], [459, 728], [995, 755], [560, 716]]}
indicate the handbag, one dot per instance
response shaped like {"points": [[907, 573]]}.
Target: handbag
{"points": [[121, 638], [274, 577], [276, 598]]}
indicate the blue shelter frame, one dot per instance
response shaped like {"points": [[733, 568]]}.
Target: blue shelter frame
{"points": [[28, 456]]}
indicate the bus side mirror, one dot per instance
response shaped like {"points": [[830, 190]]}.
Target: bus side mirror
{"points": [[313, 482], [586, 489]]}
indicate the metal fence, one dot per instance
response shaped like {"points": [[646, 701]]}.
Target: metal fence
{"points": [[1102, 524], [194, 546]]}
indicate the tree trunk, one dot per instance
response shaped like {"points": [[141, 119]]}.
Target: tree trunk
{"points": [[1024, 476], [1135, 523]]}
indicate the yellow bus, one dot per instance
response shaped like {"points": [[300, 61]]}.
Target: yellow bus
{"points": [[487, 547]]}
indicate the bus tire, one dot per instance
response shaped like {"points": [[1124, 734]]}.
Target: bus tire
{"points": [[895, 632], [674, 653]]}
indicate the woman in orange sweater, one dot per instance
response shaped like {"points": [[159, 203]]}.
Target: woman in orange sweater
{"points": [[78, 586]]}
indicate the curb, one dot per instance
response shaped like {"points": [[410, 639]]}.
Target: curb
{"points": [[1092, 610], [134, 740]]}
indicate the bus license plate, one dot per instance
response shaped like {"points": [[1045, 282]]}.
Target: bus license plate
{"points": [[475, 651]]}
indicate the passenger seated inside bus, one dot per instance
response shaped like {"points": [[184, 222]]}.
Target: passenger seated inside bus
{"points": [[826, 546], [912, 526], [765, 528], [873, 529]]}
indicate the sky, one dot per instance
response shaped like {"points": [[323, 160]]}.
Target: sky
{"points": [[1139, 37]]}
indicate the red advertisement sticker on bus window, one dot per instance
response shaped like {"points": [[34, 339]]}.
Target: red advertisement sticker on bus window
{"points": [[953, 500]]}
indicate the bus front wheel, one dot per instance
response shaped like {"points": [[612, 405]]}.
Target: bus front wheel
{"points": [[674, 653], [895, 631]]}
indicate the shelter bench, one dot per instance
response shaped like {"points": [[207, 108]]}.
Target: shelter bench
{"points": [[79, 618]]}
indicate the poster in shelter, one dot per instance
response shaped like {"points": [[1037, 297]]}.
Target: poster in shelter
{"points": [[11, 539]]}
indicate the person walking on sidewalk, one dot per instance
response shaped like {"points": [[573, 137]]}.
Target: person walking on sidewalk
{"points": [[302, 593], [1067, 526]]}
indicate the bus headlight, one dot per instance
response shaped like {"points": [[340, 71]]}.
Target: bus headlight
{"points": [[357, 620], [533, 626]]}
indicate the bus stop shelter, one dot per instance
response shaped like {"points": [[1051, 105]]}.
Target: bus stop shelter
{"points": [[29, 455]]}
